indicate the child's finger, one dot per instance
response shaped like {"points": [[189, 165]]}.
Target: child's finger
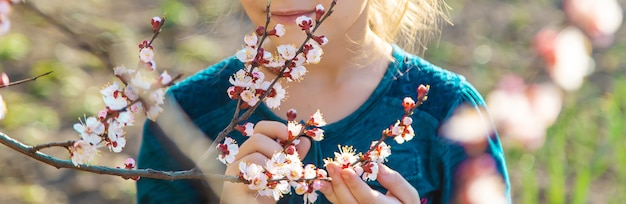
{"points": [[397, 185]]}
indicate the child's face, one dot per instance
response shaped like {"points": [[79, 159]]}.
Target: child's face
{"points": [[348, 16]]}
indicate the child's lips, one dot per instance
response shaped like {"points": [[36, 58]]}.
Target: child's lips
{"points": [[289, 17]]}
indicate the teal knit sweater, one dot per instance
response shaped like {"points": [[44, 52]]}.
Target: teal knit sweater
{"points": [[428, 161]]}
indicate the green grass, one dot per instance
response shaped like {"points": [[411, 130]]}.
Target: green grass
{"points": [[584, 149]]}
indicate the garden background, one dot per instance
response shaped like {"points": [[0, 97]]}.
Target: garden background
{"points": [[583, 159]]}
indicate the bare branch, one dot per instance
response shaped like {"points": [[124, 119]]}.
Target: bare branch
{"points": [[25, 80], [67, 144], [124, 173]]}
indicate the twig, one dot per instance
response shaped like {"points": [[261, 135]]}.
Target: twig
{"points": [[54, 144], [124, 173], [25, 80]]}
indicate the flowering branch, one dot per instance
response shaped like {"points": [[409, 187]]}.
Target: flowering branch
{"points": [[33, 152], [24, 80], [402, 128], [262, 31]]}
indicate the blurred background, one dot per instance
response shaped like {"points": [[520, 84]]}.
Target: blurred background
{"points": [[564, 142]]}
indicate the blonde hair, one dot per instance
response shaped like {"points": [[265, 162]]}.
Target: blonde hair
{"points": [[408, 23]]}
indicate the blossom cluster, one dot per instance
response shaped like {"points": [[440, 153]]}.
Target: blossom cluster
{"points": [[284, 169], [367, 164], [249, 84], [135, 94], [5, 10]]}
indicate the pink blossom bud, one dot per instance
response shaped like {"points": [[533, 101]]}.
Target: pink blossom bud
{"points": [[5, 8], [165, 78], [150, 66], [129, 163], [260, 30], [279, 30], [319, 11], [290, 150], [246, 129], [3, 108], [291, 114], [156, 23], [4, 80], [407, 120], [322, 40], [144, 44], [103, 113], [304, 22], [422, 91], [408, 103]]}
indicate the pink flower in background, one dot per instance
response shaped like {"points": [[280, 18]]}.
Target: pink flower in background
{"points": [[566, 53], [599, 19], [479, 182], [469, 126], [5, 7], [3, 108], [5, 10], [523, 112]]}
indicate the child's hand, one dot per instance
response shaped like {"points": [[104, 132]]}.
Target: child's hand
{"points": [[347, 187], [257, 149]]}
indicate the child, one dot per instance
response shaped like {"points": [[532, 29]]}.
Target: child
{"points": [[358, 86]]}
